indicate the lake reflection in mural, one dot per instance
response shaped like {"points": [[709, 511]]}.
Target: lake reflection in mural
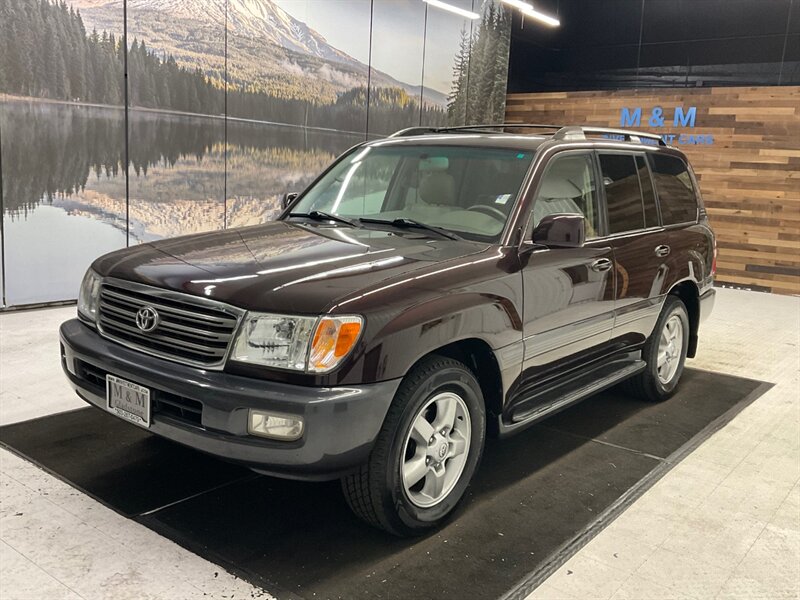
{"points": [[65, 203]]}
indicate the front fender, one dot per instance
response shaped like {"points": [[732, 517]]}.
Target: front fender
{"points": [[428, 326]]}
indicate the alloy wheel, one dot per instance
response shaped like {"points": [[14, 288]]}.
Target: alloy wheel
{"points": [[670, 348], [436, 449]]}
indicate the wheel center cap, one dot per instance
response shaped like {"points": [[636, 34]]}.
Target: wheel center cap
{"points": [[443, 448]]}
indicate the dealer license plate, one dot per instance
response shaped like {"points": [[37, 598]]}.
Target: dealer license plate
{"points": [[128, 400]]}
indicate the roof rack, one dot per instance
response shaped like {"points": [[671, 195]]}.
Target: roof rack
{"points": [[571, 132], [578, 132], [412, 131]]}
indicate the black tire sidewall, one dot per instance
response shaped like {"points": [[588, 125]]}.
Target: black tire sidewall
{"points": [[411, 518], [673, 306]]}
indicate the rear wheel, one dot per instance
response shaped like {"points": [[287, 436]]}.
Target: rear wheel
{"points": [[426, 453], [665, 354]]}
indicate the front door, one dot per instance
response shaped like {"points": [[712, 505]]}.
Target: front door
{"points": [[568, 292]]}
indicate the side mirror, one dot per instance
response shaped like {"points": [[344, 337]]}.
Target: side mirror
{"points": [[561, 231], [287, 198]]}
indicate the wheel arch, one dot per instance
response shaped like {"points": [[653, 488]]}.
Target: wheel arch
{"points": [[480, 358]]}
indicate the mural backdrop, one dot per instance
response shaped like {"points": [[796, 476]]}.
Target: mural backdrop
{"points": [[229, 104]]}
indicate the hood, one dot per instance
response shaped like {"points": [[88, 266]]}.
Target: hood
{"points": [[281, 266]]}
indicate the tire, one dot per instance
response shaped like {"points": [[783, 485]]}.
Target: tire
{"points": [[659, 382], [378, 492]]}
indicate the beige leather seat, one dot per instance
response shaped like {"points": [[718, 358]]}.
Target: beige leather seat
{"points": [[438, 187]]}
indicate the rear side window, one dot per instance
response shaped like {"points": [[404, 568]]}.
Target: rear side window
{"points": [[623, 192], [676, 195]]}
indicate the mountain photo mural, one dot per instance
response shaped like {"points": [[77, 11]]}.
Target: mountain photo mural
{"points": [[230, 104]]}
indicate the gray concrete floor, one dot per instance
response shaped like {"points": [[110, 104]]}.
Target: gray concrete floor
{"points": [[725, 523]]}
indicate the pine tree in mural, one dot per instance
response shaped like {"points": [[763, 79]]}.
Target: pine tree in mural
{"points": [[457, 100], [480, 71], [45, 52]]}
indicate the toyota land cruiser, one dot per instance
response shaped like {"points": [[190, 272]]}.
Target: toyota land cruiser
{"points": [[426, 290]]}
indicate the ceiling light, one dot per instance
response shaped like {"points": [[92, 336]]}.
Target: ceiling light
{"points": [[453, 9], [542, 18], [528, 10], [523, 6]]}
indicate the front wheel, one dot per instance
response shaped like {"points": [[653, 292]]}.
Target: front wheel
{"points": [[665, 354], [426, 453]]}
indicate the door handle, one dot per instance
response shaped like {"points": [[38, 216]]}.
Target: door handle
{"points": [[662, 250], [601, 264]]}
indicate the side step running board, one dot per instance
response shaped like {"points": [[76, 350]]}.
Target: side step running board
{"points": [[522, 417]]}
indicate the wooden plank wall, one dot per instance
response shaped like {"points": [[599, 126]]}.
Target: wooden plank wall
{"points": [[749, 177]]}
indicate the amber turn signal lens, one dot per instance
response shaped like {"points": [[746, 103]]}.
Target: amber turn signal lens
{"points": [[334, 338]]}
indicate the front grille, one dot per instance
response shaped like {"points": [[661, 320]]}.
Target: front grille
{"points": [[178, 407], [164, 403], [95, 377], [191, 330]]}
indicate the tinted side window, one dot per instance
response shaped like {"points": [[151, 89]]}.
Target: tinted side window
{"points": [[623, 194], [676, 195], [568, 186], [648, 194]]}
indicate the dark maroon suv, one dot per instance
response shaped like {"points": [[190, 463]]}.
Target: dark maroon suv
{"points": [[426, 290]]}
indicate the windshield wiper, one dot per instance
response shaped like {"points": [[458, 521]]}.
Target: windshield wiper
{"points": [[405, 223], [319, 215]]}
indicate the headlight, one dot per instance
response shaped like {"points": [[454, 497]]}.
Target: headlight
{"points": [[88, 295], [274, 340], [296, 343]]}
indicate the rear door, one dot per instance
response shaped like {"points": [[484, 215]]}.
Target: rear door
{"points": [[678, 198], [641, 245], [568, 292]]}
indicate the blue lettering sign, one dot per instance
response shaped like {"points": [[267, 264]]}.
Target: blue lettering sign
{"points": [[631, 119], [684, 119], [657, 117]]}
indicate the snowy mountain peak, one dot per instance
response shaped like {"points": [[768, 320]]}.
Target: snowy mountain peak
{"points": [[256, 19]]}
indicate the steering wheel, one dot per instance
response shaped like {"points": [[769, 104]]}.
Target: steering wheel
{"points": [[489, 210]]}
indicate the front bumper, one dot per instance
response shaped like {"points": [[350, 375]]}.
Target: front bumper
{"points": [[207, 410]]}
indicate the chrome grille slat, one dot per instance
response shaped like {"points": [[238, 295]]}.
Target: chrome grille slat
{"points": [[222, 322], [164, 339], [189, 331], [192, 330]]}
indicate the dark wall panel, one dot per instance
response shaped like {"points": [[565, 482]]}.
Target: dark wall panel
{"points": [[612, 44]]}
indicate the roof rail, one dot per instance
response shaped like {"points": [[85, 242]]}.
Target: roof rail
{"points": [[412, 131], [579, 133]]}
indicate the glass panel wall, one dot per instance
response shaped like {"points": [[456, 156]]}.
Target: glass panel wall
{"points": [[446, 66], [176, 119], [395, 92], [229, 105], [63, 145]]}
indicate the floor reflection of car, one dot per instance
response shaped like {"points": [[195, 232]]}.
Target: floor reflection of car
{"points": [[425, 291]]}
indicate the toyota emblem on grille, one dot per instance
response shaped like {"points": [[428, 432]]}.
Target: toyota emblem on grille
{"points": [[147, 319]]}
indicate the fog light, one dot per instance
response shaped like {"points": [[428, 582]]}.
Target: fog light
{"points": [[275, 426]]}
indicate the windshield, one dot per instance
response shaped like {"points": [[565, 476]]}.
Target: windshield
{"points": [[468, 191]]}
